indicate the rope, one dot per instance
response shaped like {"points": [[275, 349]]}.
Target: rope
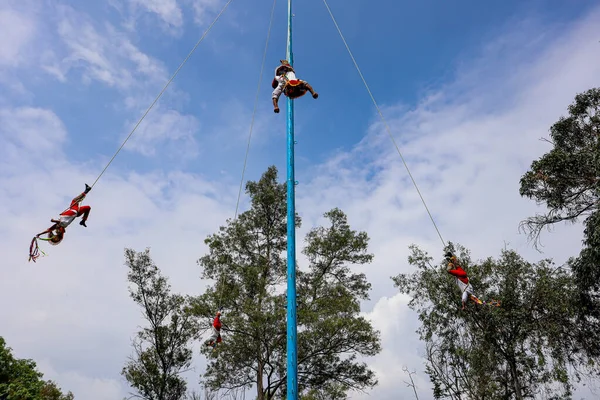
{"points": [[384, 121], [262, 67], [163, 90]]}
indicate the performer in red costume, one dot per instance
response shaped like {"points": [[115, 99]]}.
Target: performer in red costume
{"points": [[216, 331], [462, 280], [57, 231], [286, 82]]}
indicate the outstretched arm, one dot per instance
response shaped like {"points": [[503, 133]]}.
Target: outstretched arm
{"points": [[47, 230]]}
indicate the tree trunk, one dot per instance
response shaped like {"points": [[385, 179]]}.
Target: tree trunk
{"points": [[515, 378], [259, 373], [259, 382]]}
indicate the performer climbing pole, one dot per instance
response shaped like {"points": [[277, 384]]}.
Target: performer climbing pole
{"points": [[292, 356]]}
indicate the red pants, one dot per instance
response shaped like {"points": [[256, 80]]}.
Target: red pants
{"points": [[76, 210]]}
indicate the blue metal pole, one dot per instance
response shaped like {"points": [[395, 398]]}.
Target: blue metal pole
{"points": [[292, 356]]}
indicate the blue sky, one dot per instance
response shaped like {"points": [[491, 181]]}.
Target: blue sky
{"points": [[468, 88], [403, 48]]}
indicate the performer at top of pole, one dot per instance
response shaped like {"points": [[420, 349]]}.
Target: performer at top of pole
{"points": [[286, 82]]}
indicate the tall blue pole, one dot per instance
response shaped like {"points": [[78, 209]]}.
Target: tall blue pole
{"points": [[292, 356]]}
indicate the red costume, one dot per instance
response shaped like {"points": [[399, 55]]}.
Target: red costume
{"points": [[459, 273], [217, 322], [56, 232], [462, 279], [216, 331], [74, 211]]}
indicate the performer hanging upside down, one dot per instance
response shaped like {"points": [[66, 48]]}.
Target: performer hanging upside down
{"points": [[216, 331], [462, 280], [56, 232], [285, 82]]}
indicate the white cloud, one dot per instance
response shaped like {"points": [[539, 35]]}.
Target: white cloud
{"points": [[90, 388], [71, 309], [19, 33], [167, 15], [16, 31], [397, 324], [70, 45], [160, 129], [204, 9], [107, 56], [61, 40], [167, 10], [171, 14], [30, 135], [102, 53]]}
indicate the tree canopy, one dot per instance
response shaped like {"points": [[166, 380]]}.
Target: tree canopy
{"points": [[567, 181], [514, 351], [247, 261], [20, 379], [162, 350]]}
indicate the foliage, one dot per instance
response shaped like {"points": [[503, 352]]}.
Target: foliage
{"points": [[247, 260], [19, 379], [331, 391], [329, 295], [567, 181], [207, 394], [161, 350], [513, 351], [566, 178]]}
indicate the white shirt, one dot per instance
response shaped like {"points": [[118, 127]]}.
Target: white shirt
{"points": [[65, 220]]}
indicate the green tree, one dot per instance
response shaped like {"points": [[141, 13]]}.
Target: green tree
{"points": [[514, 351], [567, 181], [331, 391], [50, 391], [247, 260], [19, 379], [162, 351]]}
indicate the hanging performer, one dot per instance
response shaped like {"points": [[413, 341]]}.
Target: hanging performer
{"points": [[460, 274], [56, 232], [285, 82], [216, 331], [462, 281]]}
